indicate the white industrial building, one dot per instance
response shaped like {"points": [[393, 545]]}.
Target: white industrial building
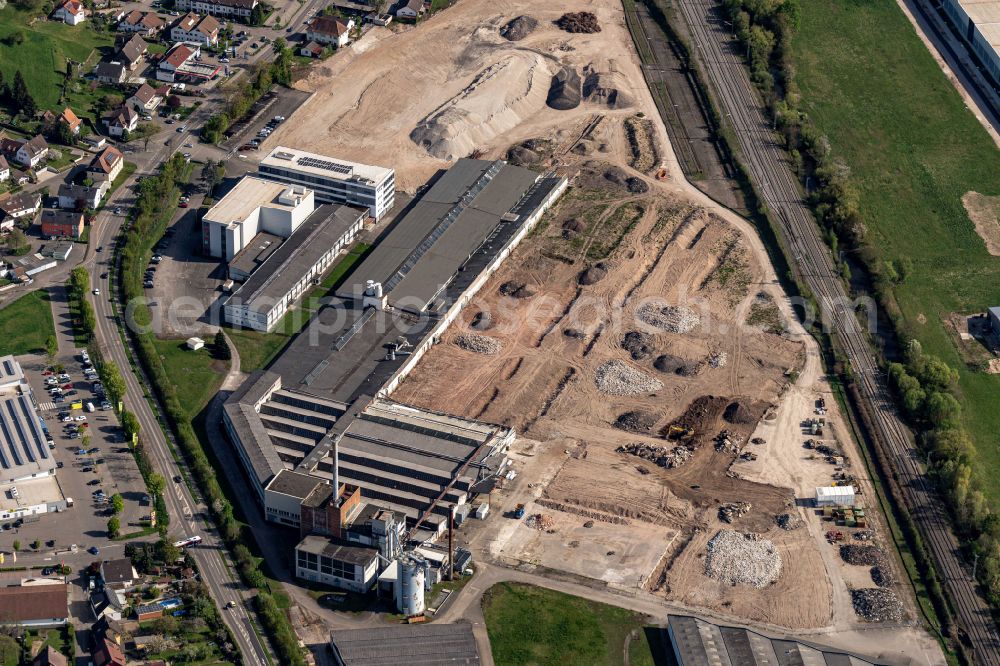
{"points": [[252, 207], [978, 22], [344, 566], [835, 496], [333, 180]]}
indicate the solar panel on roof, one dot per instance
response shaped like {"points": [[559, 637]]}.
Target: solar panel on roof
{"points": [[336, 167]]}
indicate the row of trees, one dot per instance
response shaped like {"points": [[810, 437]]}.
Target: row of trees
{"points": [[78, 286], [926, 387], [265, 75], [159, 194]]}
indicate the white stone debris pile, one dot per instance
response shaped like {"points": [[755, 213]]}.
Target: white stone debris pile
{"points": [[619, 378], [480, 344], [742, 558], [670, 318]]}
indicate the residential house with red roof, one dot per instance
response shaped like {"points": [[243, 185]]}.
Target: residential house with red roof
{"points": [[70, 12]]}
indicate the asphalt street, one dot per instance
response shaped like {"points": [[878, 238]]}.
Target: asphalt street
{"points": [[189, 516]]}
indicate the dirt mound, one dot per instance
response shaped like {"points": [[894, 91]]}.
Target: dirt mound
{"points": [[564, 90], [637, 344], [637, 421], [677, 365], [482, 321], [636, 185], [738, 414], [498, 99], [579, 22], [573, 226], [521, 156], [519, 28], [594, 274], [515, 289], [667, 458], [701, 415], [605, 88]]}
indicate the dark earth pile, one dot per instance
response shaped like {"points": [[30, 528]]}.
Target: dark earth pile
{"points": [[585, 22], [518, 28], [636, 421], [637, 344], [737, 414], [593, 275], [677, 365], [515, 289], [564, 91]]}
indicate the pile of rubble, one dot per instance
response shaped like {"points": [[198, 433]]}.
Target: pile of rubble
{"points": [[876, 604], [882, 576], [635, 421], [480, 344], [579, 22], [728, 442], [670, 318], [733, 510], [789, 522], [519, 28], [637, 344], [742, 558], [658, 455], [718, 360], [619, 378], [864, 535], [540, 522], [866, 555]]}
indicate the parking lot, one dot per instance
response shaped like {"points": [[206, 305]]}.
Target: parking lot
{"points": [[107, 466]]}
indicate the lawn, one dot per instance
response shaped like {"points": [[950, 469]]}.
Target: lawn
{"points": [[913, 149], [257, 349], [196, 375], [42, 57], [26, 324], [533, 625]]}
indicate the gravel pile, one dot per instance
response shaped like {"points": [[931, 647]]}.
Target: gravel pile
{"points": [[579, 22], [479, 344], [637, 344], [787, 521], [882, 576], [670, 318], [866, 555], [658, 455], [519, 28], [742, 558], [619, 378], [876, 604], [733, 510], [564, 90]]}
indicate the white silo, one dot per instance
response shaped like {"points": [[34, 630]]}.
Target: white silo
{"points": [[410, 586]]}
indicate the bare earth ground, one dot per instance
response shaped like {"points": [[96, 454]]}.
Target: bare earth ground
{"points": [[984, 211], [422, 97]]}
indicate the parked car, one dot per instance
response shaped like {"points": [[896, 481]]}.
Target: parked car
{"points": [[94, 550], [81, 417]]}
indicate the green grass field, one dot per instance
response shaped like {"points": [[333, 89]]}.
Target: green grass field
{"points": [[531, 625], [196, 374], [871, 86], [26, 324], [42, 56]]}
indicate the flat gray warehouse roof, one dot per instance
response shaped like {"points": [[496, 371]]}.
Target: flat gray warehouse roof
{"points": [[414, 645], [322, 230], [452, 219], [23, 448]]}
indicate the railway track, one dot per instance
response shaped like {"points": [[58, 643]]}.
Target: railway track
{"points": [[718, 55]]}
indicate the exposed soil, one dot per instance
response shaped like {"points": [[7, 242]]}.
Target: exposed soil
{"points": [[984, 211]]}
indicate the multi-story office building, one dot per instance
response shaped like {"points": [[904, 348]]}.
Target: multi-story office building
{"points": [[333, 181]]}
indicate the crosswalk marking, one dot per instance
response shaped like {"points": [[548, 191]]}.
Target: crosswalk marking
{"points": [[46, 406]]}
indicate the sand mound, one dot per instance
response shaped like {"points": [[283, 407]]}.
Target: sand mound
{"points": [[572, 227], [519, 28], [605, 88], [579, 22], [564, 91], [498, 99]]}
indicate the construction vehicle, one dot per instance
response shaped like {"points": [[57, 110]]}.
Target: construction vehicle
{"points": [[519, 511], [678, 432]]}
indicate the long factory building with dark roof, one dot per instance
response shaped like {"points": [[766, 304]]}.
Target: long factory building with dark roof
{"points": [[322, 413]]}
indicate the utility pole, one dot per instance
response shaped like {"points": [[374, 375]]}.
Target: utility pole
{"points": [[975, 564]]}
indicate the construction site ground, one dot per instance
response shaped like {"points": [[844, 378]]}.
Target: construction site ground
{"points": [[630, 236]]}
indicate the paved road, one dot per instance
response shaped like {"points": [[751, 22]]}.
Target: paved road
{"points": [[189, 516], [774, 180]]}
